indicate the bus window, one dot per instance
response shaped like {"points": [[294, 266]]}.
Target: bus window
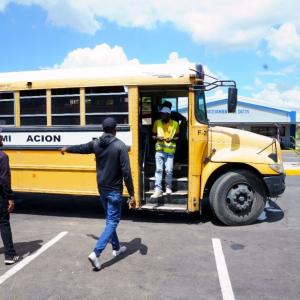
{"points": [[200, 107], [33, 107], [146, 111], [101, 102], [7, 108], [65, 106]]}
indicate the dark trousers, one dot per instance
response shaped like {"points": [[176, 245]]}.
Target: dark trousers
{"points": [[6, 235]]}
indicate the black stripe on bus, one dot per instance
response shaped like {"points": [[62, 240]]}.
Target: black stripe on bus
{"points": [[63, 129], [54, 148]]}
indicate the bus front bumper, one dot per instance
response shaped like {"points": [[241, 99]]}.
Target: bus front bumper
{"points": [[275, 184]]}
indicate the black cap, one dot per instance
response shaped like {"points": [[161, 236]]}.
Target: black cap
{"points": [[109, 123], [167, 104]]}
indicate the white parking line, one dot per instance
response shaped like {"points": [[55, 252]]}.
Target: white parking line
{"points": [[224, 279], [31, 257]]}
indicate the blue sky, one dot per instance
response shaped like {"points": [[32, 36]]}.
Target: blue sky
{"points": [[256, 43]]}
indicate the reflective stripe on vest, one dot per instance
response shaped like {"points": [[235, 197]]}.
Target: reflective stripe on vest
{"points": [[167, 147]]}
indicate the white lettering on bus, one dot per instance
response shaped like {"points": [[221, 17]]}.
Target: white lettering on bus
{"points": [[44, 138]]}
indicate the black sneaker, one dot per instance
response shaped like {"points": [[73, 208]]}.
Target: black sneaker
{"points": [[10, 260]]}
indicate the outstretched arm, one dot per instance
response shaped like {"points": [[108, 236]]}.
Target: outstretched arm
{"points": [[81, 149]]}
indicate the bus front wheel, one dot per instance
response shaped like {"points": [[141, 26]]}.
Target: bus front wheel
{"points": [[237, 197]]}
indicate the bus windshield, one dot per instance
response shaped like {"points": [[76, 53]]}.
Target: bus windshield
{"points": [[200, 107]]}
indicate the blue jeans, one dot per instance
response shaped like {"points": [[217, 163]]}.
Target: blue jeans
{"points": [[112, 204], [163, 159]]}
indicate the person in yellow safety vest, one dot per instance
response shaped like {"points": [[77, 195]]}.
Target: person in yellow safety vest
{"points": [[165, 133]]}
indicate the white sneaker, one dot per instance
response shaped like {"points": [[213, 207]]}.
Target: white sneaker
{"points": [[12, 259], [94, 260], [156, 194], [168, 191], [120, 251]]}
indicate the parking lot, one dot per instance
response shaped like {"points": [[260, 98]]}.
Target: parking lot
{"points": [[169, 256]]}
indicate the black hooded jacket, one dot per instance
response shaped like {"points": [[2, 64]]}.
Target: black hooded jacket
{"points": [[5, 186], [112, 162]]}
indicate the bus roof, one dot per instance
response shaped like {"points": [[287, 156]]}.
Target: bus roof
{"points": [[140, 71]]}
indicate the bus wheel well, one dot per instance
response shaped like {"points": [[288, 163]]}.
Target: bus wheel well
{"points": [[229, 167]]}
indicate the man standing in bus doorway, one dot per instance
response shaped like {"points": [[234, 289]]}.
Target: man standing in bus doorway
{"points": [[112, 165], [6, 207], [181, 148], [165, 132]]}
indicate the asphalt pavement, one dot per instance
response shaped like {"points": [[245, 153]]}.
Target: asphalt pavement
{"points": [[170, 256]]}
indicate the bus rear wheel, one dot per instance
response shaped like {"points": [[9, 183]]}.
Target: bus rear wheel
{"points": [[237, 198]]}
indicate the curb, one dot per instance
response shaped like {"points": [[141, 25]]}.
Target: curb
{"points": [[292, 172], [292, 168]]}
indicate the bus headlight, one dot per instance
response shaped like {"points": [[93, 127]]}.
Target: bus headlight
{"points": [[277, 168]]}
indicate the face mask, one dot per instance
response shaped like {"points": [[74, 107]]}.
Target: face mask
{"points": [[165, 117]]}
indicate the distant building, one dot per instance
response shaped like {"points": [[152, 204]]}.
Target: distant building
{"points": [[266, 120]]}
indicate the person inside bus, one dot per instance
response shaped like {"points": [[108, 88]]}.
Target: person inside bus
{"points": [[112, 166], [176, 116], [6, 207], [166, 133], [181, 149]]}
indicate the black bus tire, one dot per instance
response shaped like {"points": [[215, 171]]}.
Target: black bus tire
{"points": [[237, 197]]}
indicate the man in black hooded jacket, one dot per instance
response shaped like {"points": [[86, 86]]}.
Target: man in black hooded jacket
{"points": [[6, 207], [112, 165]]}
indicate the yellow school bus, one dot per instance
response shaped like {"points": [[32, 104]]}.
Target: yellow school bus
{"points": [[41, 111]]}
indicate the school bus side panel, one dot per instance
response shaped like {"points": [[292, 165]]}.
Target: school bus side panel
{"points": [[46, 171]]}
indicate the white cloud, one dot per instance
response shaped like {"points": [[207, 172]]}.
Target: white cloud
{"points": [[258, 82], [219, 93], [274, 95], [284, 42], [175, 59], [3, 4], [105, 55], [101, 55], [222, 25]]}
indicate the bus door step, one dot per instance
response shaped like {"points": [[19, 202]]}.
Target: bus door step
{"points": [[165, 207], [177, 197]]}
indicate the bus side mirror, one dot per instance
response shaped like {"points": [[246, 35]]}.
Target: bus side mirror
{"points": [[232, 99]]}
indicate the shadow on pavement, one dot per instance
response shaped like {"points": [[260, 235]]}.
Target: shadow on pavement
{"points": [[273, 213], [25, 248], [58, 205], [133, 246], [90, 207]]}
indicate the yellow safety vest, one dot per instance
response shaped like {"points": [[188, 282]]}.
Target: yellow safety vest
{"points": [[164, 146]]}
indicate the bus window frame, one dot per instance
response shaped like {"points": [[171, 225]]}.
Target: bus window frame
{"points": [[67, 114], [31, 115], [106, 113], [13, 99], [197, 109]]}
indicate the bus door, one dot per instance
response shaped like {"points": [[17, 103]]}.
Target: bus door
{"points": [[151, 100]]}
